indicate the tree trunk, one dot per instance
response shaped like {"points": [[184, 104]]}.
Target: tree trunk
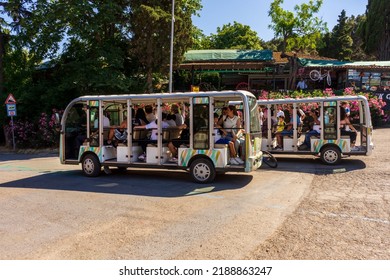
{"points": [[149, 80], [294, 72]]}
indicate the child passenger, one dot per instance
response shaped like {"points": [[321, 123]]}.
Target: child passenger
{"points": [[279, 129]]}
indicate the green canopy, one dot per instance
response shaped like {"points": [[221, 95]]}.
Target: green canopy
{"points": [[335, 63], [226, 55]]}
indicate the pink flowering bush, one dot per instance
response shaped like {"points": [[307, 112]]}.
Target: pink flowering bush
{"points": [[41, 134]]}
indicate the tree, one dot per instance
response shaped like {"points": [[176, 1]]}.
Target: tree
{"points": [[199, 40], [87, 43], [235, 36], [358, 53], [14, 12], [151, 33], [300, 32], [342, 38], [275, 44], [338, 44], [376, 30]]}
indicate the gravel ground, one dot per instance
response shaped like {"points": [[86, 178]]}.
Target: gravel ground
{"points": [[345, 215]]}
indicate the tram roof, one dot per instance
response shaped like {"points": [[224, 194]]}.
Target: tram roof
{"points": [[168, 97], [311, 99]]}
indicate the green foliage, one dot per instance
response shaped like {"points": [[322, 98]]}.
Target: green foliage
{"points": [[235, 36], [151, 33], [299, 31], [199, 40], [375, 31], [275, 44]]}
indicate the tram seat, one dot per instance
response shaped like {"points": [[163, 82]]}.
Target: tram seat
{"points": [[175, 133], [139, 134], [220, 146], [201, 140], [106, 132], [171, 133], [299, 132]]}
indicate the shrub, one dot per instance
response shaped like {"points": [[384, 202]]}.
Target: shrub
{"points": [[42, 133]]}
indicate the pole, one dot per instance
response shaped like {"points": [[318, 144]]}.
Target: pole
{"points": [[171, 55], [13, 133]]}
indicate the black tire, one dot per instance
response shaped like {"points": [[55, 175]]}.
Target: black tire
{"points": [[269, 159], [314, 75], [91, 166], [330, 155], [202, 171]]}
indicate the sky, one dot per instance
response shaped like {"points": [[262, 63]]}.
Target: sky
{"points": [[254, 13]]}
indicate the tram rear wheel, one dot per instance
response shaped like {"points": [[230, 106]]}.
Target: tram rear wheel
{"points": [[202, 171]]}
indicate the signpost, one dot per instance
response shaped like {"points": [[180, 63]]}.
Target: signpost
{"points": [[10, 102]]}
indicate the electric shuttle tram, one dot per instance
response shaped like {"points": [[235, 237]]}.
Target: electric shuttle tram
{"points": [[317, 126], [85, 133]]}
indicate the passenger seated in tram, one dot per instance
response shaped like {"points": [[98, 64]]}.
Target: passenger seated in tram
{"points": [[220, 138], [316, 130], [348, 129], [279, 129], [153, 137], [288, 128], [120, 134], [174, 144]]}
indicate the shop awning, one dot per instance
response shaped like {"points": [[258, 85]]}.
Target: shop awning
{"points": [[373, 65], [227, 55]]}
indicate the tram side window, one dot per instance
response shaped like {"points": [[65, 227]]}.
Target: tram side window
{"points": [[330, 123], [201, 126], [94, 126], [255, 122]]}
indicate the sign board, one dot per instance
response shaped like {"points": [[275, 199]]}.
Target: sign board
{"points": [[11, 110], [10, 99]]}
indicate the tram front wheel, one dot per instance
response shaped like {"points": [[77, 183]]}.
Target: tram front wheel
{"points": [[91, 166]]}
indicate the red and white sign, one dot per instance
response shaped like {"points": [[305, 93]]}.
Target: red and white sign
{"points": [[10, 99]]}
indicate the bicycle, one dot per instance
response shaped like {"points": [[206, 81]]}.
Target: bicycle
{"points": [[316, 75], [269, 159], [242, 86]]}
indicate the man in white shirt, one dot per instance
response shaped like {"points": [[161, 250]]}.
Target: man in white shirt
{"points": [[153, 137], [106, 122]]}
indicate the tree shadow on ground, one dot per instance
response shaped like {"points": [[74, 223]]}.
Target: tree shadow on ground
{"points": [[158, 183]]}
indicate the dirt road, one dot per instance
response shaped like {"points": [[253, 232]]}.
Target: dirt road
{"points": [[344, 216], [301, 210]]}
